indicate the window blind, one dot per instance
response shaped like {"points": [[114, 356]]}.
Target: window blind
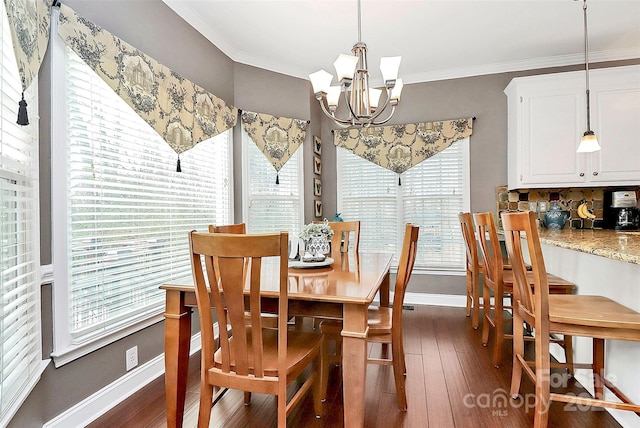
{"points": [[272, 207], [431, 196], [20, 336], [128, 212]]}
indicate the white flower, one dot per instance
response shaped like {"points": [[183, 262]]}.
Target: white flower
{"points": [[313, 229]]}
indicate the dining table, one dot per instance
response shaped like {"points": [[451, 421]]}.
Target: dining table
{"points": [[343, 289]]}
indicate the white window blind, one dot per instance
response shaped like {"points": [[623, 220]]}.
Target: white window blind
{"points": [[431, 196], [127, 212], [20, 335], [271, 207]]}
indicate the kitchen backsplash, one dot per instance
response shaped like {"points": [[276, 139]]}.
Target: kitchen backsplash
{"points": [[539, 200]]}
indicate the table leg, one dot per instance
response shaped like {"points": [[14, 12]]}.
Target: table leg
{"points": [[354, 363], [384, 290], [177, 338]]}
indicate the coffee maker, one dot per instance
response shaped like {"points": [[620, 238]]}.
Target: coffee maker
{"points": [[620, 210]]}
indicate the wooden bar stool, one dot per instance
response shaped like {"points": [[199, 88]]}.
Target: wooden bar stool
{"points": [[591, 316], [499, 281]]}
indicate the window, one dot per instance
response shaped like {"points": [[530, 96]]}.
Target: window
{"points": [[121, 211], [431, 195], [271, 207], [20, 335]]}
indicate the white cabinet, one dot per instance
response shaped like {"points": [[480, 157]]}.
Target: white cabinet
{"points": [[547, 117]]}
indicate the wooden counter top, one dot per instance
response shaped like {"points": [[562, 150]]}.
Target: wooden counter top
{"points": [[612, 244]]}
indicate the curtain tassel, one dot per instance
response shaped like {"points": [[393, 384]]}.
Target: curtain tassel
{"points": [[399, 181], [178, 169], [23, 119], [277, 178]]}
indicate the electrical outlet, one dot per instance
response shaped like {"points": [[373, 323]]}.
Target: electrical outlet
{"points": [[132, 357]]}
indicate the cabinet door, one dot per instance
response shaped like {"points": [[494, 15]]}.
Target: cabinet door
{"points": [[551, 131], [615, 114]]}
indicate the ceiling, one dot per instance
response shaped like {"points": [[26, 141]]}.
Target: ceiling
{"points": [[436, 39]]}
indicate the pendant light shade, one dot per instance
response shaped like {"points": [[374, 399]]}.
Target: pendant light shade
{"points": [[588, 142]]}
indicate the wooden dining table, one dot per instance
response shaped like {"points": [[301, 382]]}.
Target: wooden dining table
{"points": [[344, 290]]}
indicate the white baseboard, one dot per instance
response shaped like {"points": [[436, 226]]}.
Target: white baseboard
{"points": [[456, 301], [113, 394]]}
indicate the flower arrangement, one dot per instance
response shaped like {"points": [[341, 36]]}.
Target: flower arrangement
{"points": [[313, 229]]}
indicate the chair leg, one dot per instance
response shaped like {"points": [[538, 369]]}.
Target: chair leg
{"points": [[518, 350], [486, 309], [319, 388], [206, 399], [568, 353], [398, 374], [247, 398], [499, 331], [598, 368], [324, 369], [475, 317], [469, 294], [543, 377], [282, 408]]}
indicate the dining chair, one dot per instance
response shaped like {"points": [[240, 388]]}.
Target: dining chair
{"points": [[597, 317], [499, 281], [253, 358], [473, 268], [228, 228], [384, 323]]}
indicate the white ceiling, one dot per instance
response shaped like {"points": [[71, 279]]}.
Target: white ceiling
{"points": [[437, 39]]}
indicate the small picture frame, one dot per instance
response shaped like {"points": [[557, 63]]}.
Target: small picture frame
{"points": [[318, 208], [317, 165], [317, 145], [317, 187]]}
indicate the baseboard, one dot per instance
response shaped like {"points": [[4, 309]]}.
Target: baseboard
{"points": [[456, 301], [113, 394]]}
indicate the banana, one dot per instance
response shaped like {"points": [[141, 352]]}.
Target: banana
{"points": [[582, 210]]}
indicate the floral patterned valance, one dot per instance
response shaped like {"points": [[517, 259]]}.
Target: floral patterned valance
{"points": [[399, 147], [29, 22], [277, 137], [182, 112]]}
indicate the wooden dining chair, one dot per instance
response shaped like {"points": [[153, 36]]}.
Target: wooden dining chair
{"points": [[228, 228], [473, 268], [385, 324], [346, 237], [580, 315], [498, 282], [252, 358]]}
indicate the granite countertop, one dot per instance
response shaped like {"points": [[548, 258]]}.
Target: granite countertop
{"points": [[613, 244]]}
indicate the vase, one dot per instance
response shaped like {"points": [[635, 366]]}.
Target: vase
{"points": [[318, 244]]}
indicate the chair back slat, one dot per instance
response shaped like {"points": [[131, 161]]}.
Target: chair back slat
{"points": [[346, 234], [470, 243], [233, 263], [405, 267], [535, 301], [490, 251], [228, 228]]}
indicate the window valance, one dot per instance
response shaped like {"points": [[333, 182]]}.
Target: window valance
{"points": [[399, 147], [29, 23], [277, 137], [182, 112]]}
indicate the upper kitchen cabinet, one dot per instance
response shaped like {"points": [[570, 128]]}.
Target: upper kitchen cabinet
{"points": [[547, 117]]}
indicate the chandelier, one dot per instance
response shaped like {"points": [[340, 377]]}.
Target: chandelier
{"points": [[353, 75], [588, 142]]}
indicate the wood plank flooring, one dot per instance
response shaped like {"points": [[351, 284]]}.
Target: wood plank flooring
{"points": [[450, 383]]}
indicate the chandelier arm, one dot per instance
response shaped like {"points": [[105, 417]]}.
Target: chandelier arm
{"points": [[383, 108], [332, 115], [352, 114], [382, 122]]}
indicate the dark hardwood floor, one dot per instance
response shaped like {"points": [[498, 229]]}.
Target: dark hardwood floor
{"points": [[450, 383]]}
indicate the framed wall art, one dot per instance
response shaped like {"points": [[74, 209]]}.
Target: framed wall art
{"points": [[317, 145], [317, 165], [317, 187], [318, 208]]}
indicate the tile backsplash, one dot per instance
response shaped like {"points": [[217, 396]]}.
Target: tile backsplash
{"points": [[539, 200]]}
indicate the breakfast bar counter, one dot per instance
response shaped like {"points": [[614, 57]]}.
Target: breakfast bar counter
{"points": [[617, 245]]}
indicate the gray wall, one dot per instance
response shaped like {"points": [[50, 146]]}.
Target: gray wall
{"points": [[156, 30]]}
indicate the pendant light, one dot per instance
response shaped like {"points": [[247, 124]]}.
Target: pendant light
{"points": [[588, 142]]}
